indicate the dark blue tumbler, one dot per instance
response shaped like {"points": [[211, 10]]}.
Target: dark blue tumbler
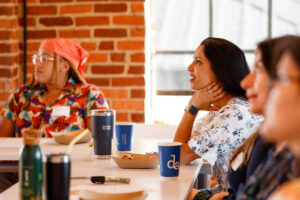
{"points": [[103, 122]]}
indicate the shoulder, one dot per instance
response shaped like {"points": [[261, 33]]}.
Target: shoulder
{"points": [[238, 108], [21, 91], [91, 93], [87, 89], [236, 104], [22, 88]]}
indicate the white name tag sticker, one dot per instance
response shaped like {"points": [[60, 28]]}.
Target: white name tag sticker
{"points": [[61, 111]]}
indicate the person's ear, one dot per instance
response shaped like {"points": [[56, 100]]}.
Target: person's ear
{"points": [[65, 66]]}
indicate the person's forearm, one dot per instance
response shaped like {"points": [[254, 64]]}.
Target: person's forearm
{"points": [[187, 154], [6, 127], [184, 129]]}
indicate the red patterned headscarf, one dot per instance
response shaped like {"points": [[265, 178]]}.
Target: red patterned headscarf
{"points": [[71, 51]]}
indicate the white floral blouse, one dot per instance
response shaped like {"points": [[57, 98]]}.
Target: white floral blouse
{"points": [[216, 135]]}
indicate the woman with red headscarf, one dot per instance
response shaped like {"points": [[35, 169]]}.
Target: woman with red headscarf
{"points": [[58, 99]]}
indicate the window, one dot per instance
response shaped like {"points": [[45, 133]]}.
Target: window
{"points": [[178, 27]]}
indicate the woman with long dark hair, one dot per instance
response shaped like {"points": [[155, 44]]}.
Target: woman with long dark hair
{"points": [[216, 73]]}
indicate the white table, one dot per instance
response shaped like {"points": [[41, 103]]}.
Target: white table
{"points": [[83, 164]]}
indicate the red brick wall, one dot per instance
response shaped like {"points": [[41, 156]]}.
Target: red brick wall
{"points": [[112, 31], [10, 40]]}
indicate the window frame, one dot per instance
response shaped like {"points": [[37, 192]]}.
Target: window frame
{"points": [[210, 24]]}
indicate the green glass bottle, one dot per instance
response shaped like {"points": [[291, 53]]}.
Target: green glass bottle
{"points": [[30, 169]]}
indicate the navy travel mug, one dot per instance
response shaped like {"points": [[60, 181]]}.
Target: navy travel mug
{"points": [[102, 123]]}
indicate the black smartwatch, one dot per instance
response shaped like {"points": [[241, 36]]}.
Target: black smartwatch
{"points": [[193, 110]]}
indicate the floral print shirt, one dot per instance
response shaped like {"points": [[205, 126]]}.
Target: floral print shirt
{"points": [[216, 135], [27, 108]]}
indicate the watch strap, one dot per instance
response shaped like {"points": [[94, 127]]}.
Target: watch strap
{"points": [[192, 109]]}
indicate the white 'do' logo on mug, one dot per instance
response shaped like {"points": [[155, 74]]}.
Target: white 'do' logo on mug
{"points": [[172, 164]]}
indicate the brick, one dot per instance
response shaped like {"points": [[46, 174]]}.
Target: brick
{"points": [[98, 81], [29, 57], [91, 21], [135, 81], [29, 22], [117, 57], [73, 9], [8, 84], [6, 60], [30, 69], [8, 23], [136, 70], [137, 93], [137, 7], [8, 1], [110, 93], [88, 45], [75, 34], [98, 57], [4, 35], [33, 46], [41, 34], [41, 10], [8, 10], [4, 96], [107, 45], [128, 105], [137, 32], [110, 33], [130, 45], [8, 72], [14, 35], [137, 57], [55, 1], [120, 7], [20, 58], [138, 117], [129, 20], [121, 116], [8, 48], [108, 69], [56, 21]]}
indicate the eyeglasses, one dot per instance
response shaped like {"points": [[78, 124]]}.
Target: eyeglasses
{"points": [[42, 59]]}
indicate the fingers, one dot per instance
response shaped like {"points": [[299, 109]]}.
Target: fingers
{"points": [[210, 86], [216, 90], [219, 93], [215, 87]]}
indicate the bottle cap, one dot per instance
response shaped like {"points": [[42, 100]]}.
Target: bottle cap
{"points": [[56, 158], [31, 137]]}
